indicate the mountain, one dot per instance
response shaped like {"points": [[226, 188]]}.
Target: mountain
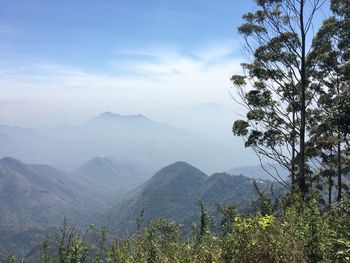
{"points": [[173, 193], [169, 193], [114, 118], [111, 126], [109, 178], [225, 189], [34, 194], [34, 198], [130, 137]]}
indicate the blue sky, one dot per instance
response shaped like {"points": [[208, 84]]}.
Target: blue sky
{"points": [[88, 34], [66, 60]]}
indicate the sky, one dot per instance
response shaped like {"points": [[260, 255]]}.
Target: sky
{"points": [[63, 61]]}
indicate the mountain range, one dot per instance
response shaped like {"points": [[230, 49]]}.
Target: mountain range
{"points": [[110, 179], [34, 199], [37, 198], [173, 193], [123, 137]]}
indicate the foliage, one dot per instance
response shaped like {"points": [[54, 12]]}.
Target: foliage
{"points": [[173, 193], [296, 92], [329, 127], [276, 88], [302, 232]]}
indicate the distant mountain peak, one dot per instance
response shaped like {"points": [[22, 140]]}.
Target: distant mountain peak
{"points": [[96, 163], [98, 158], [112, 116], [180, 168], [108, 114], [10, 161], [177, 165], [108, 175]]}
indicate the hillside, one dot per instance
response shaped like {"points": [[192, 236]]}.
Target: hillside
{"points": [[37, 194], [110, 179], [167, 194], [34, 198], [225, 189], [173, 193]]}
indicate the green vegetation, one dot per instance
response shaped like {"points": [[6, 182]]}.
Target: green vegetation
{"points": [[300, 232], [172, 193], [297, 96], [296, 92]]}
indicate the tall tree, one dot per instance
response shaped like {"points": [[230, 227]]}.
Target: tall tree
{"points": [[331, 60], [276, 88]]}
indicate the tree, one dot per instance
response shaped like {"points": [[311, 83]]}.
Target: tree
{"points": [[276, 88], [331, 60]]}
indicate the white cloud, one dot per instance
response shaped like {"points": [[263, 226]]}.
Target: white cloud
{"points": [[214, 51], [152, 79]]}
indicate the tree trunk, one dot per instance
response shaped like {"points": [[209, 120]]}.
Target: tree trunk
{"points": [[339, 170], [293, 141], [330, 186], [302, 171]]}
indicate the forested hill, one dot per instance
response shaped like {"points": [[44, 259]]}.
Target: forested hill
{"points": [[173, 193]]}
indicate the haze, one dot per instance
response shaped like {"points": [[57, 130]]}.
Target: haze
{"points": [[65, 63]]}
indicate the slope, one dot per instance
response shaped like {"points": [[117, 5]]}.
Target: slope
{"points": [[173, 193]]}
